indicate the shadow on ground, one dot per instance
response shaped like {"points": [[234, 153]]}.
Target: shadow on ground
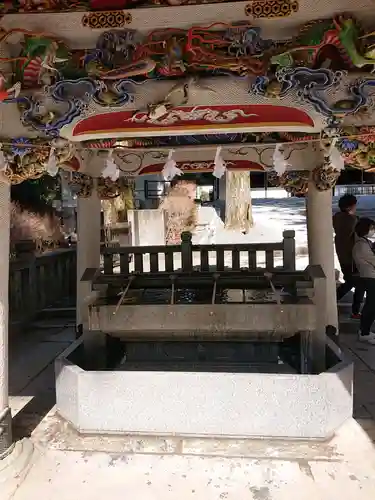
{"points": [[31, 370]]}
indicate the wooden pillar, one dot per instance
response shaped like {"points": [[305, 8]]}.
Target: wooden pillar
{"points": [[321, 248], [5, 413], [238, 207], [88, 253]]}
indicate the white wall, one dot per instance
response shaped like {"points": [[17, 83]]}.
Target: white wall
{"points": [[147, 227]]}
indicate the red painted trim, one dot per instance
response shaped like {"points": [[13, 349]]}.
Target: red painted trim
{"points": [[261, 115], [157, 168]]}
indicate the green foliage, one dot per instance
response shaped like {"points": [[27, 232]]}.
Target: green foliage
{"points": [[37, 195]]}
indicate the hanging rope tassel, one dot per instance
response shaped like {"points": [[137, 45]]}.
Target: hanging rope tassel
{"points": [[336, 160], [219, 164], [170, 169]]}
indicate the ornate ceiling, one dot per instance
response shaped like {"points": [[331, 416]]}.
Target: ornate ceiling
{"points": [[172, 72]]}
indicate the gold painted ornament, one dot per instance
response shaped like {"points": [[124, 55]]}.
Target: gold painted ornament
{"points": [[271, 8], [81, 184], [109, 189], [30, 166], [295, 182], [106, 19], [113, 190], [325, 177]]}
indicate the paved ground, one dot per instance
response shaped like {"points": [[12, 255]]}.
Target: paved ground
{"points": [[68, 466], [31, 371]]}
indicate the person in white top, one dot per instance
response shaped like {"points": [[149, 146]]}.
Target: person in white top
{"points": [[364, 258]]}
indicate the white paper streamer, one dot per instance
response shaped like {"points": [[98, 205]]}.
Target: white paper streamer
{"points": [[279, 162], [3, 160], [336, 160], [111, 170], [219, 164], [170, 169], [51, 167]]}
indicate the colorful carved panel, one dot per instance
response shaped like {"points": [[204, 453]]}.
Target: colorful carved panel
{"points": [[310, 67], [81, 184], [27, 160], [235, 48], [312, 86], [358, 147], [196, 119], [294, 182]]}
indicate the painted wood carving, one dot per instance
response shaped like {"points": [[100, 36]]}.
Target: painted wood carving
{"points": [[206, 83], [55, 84]]}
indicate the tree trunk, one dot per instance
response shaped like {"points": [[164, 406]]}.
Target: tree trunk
{"points": [[238, 207]]}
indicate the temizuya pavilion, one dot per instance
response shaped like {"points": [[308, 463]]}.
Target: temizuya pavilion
{"points": [[123, 88]]}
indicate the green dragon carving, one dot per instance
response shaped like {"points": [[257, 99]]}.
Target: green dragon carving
{"points": [[341, 32]]}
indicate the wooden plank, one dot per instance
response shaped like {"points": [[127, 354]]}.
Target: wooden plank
{"points": [[204, 260], [108, 263], [236, 260], [124, 263], [252, 260], [142, 250], [269, 260], [138, 263], [154, 262], [38, 282], [41, 284], [90, 274], [31, 289], [169, 263], [220, 259], [200, 279], [280, 275], [289, 250], [186, 251], [241, 247]]}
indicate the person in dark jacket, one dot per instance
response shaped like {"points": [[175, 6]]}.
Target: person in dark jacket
{"points": [[364, 257], [344, 223]]}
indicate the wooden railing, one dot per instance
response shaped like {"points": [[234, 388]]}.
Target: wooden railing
{"points": [[37, 282], [202, 257]]}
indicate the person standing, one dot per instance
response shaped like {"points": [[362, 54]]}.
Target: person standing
{"points": [[364, 258], [344, 223]]}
